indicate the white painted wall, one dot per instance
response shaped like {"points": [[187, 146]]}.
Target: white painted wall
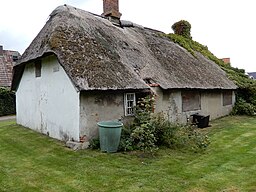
{"points": [[50, 103]]}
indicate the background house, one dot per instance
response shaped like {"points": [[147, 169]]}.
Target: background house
{"points": [[8, 59], [252, 75], [83, 68]]}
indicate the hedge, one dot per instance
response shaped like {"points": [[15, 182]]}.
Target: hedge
{"points": [[7, 102]]}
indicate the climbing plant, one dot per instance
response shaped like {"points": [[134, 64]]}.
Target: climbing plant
{"points": [[246, 92]]}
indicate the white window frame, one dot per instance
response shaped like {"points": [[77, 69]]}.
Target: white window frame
{"points": [[129, 104]]}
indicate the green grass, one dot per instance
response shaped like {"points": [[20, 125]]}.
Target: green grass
{"points": [[32, 162]]}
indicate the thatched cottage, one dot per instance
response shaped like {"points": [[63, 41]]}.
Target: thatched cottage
{"points": [[84, 68]]}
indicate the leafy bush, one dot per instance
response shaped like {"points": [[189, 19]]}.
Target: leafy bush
{"points": [[243, 108], [142, 134], [173, 135], [7, 102], [182, 28], [95, 143], [150, 131], [126, 142]]}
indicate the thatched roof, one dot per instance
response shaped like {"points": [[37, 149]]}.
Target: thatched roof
{"points": [[98, 55]]}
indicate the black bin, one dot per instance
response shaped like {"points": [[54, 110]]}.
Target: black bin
{"points": [[200, 120]]}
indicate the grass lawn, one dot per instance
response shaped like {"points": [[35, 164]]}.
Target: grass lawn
{"points": [[32, 162]]}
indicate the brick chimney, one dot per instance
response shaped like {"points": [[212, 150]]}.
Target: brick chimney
{"points": [[226, 60], [111, 10], [1, 50]]}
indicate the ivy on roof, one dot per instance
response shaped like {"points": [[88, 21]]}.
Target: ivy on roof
{"points": [[246, 92]]}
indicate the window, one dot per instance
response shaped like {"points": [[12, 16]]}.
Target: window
{"points": [[15, 58], [191, 101], [227, 98], [38, 66], [129, 104]]}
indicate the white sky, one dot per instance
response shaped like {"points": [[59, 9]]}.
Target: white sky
{"points": [[227, 27]]}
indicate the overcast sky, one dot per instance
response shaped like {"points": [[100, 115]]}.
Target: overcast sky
{"points": [[227, 27]]}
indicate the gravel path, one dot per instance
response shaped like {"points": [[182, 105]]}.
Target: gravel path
{"points": [[7, 117]]}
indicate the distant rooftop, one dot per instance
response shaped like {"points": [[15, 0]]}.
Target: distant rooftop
{"points": [[252, 75], [7, 60]]}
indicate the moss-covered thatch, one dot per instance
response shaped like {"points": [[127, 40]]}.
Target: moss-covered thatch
{"points": [[98, 55]]}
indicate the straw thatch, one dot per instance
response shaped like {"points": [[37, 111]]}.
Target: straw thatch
{"points": [[98, 55]]}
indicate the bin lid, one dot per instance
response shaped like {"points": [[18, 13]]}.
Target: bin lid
{"points": [[113, 124]]}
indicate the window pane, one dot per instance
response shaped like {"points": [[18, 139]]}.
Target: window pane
{"points": [[129, 111], [227, 98], [130, 97], [38, 67], [128, 103]]}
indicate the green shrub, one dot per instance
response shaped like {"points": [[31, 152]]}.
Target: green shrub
{"points": [[173, 135], [143, 138], [95, 143], [142, 132], [140, 135], [150, 131], [7, 102], [126, 142], [182, 28], [243, 108]]}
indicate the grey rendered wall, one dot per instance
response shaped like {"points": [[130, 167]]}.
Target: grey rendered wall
{"points": [[170, 103], [100, 106]]}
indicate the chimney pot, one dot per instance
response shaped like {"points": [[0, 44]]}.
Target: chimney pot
{"points": [[1, 50], [226, 60], [111, 9]]}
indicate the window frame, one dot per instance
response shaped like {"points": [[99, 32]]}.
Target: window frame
{"points": [[186, 98], [227, 98], [129, 104]]}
